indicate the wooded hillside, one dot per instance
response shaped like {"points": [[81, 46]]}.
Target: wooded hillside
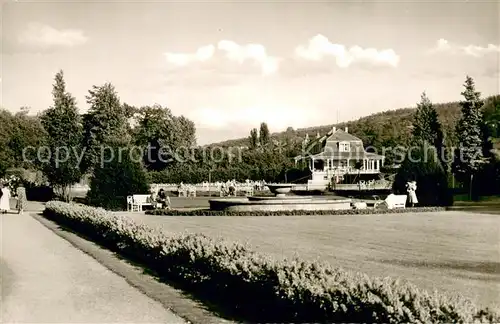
{"points": [[384, 129]]}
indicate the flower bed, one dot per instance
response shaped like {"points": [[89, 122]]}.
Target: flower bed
{"points": [[259, 288], [208, 212]]}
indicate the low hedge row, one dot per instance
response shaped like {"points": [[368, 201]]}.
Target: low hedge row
{"points": [[259, 288], [208, 212]]}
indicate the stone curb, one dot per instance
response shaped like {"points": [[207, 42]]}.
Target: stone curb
{"points": [[172, 299]]}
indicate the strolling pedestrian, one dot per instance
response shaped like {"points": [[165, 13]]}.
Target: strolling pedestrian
{"points": [[21, 199], [4, 198]]}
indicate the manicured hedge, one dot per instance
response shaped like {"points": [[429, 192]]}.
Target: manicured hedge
{"points": [[208, 212], [259, 288]]}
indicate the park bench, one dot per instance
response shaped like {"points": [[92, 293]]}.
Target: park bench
{"points": [[135, 202], [187, 191], [393, 201]]}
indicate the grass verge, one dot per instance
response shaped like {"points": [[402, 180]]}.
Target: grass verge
{"points": [[208, 212]]}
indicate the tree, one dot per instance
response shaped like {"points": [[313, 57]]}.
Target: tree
{"points": [[422, 165], [185, 132], [63, 126], [427, 128], [491, 114], [254, 139], [264, 135], [105, 124], [164, 135], [491, 125], [121, 176], [468, 157]]}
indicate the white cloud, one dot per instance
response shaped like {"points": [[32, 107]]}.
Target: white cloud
{"points": [[253, 52], [41, 35], [234, 52], [319, 47], [203, 54], [444, 46]]}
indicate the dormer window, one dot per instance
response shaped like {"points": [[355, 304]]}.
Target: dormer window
{"points": [[344, 147]]}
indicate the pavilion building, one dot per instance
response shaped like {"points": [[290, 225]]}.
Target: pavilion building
{"points": [[336, 155]]}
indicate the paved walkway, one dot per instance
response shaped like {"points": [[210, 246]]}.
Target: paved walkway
{"points": [[44, 279]]}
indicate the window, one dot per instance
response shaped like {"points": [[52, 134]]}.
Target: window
{"points": [[344, 147]]}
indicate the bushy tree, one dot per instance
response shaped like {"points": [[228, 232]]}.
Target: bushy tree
{"points": [[487, 180], [491, 126], [491, 115], [422, 165], [63, 126], [468, 157], [18, 132], [163, 134], [6, 155], [119, 175]]}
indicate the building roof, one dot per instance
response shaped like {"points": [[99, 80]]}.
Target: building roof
{"points": [[355, 155], [341, 136], [327, 147]]}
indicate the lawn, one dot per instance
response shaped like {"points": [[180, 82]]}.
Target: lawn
{"points": [[455, 252]]}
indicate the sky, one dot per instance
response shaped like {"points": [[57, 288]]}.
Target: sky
{"points": [[230, 65]]}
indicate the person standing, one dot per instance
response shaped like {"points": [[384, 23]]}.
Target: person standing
{"points": [[5, 198], [411, 187], [21, 199]]}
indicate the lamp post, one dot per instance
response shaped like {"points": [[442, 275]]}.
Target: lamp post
{"points": [[209, 182]]}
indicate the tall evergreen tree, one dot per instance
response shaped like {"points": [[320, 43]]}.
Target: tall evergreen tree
{"points": [[254, 138], [427, 128], [63, 126], [264, 134], [426, 125], [468, 157]]}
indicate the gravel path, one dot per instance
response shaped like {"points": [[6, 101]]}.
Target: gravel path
{"points": [[44, 279]]}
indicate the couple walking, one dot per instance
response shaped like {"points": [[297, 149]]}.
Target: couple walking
{"points": [[5, 196]]}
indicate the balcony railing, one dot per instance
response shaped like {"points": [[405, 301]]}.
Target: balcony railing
{"points": [[347, 170]]}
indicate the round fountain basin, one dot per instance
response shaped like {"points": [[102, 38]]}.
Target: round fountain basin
{"points": [[279, 203], [287, 198]]}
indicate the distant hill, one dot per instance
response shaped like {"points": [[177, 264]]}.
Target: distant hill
{"points": [[388, 128]]}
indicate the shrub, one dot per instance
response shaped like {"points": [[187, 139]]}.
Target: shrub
{"points": [[208, 212], [113, 181], [432, 180], [487, 181], [260, 288], [36, 192]]}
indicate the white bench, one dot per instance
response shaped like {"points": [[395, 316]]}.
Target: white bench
{"points": [[393, 201], [189, 191], [135, 202]]}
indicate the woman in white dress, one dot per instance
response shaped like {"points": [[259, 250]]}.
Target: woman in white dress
{"points": [[411, 187], [4, 199]]}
